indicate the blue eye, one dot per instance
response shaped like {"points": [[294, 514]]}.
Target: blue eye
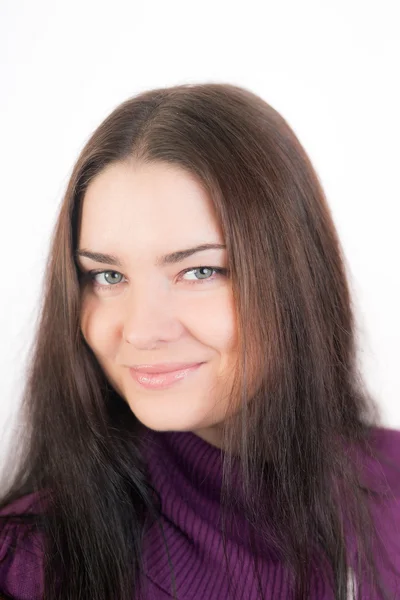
{"points": [[91, 276], [215, 269]]}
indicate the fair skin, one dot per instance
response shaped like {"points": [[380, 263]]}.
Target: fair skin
{"points": [[147, 313]]}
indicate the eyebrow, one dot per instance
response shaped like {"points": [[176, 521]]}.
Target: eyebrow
{"points": [[167, 259]]}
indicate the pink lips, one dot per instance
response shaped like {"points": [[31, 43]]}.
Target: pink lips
{"points": [[163, 367], [147, 378]]}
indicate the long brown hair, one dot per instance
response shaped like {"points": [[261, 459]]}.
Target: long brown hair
{"points": [[297, 360]]}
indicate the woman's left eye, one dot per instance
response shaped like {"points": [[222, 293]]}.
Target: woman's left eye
{"points": [[91, 275], [216, 270]]}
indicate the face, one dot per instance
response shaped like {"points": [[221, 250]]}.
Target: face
{"points": [[139, 310]]}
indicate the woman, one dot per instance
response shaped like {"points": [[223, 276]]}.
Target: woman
{"points": [[196, 425]]}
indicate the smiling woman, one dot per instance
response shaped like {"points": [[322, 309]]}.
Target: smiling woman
{"points": [[151, 312], [197, 425]]}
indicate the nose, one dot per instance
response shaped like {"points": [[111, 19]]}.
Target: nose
{"points": [[149, 318]]}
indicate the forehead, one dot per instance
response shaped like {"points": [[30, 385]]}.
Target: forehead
{"points": [[147, 204]]}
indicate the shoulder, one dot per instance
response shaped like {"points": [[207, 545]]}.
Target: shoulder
{"points": [[21, 551], [387, 439], [385, 471], [386, 467]]}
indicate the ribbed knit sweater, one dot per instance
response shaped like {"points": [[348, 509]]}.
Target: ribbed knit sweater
{"points": [[186, 471]]}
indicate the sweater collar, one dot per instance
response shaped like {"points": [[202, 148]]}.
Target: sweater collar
{"points": [[198, 461]]}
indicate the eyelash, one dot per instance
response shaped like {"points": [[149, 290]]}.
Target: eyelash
{"points": [[90, 275]]}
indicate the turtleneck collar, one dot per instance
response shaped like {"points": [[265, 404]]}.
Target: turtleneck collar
{"points": [[198, 461]]}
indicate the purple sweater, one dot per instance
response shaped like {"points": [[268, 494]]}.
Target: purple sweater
{"points": [[186, 471]]}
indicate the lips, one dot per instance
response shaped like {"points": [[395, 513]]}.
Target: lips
{"points": [[160, 381], [164, 367]]}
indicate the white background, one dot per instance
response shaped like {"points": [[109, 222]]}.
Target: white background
{"points": [[330, 68]]}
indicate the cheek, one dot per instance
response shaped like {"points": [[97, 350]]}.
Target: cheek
{"points": [[84, 318], [214, 322], [96, 328]]}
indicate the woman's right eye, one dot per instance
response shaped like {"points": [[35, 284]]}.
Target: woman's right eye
{"points": [[93, 274]]}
